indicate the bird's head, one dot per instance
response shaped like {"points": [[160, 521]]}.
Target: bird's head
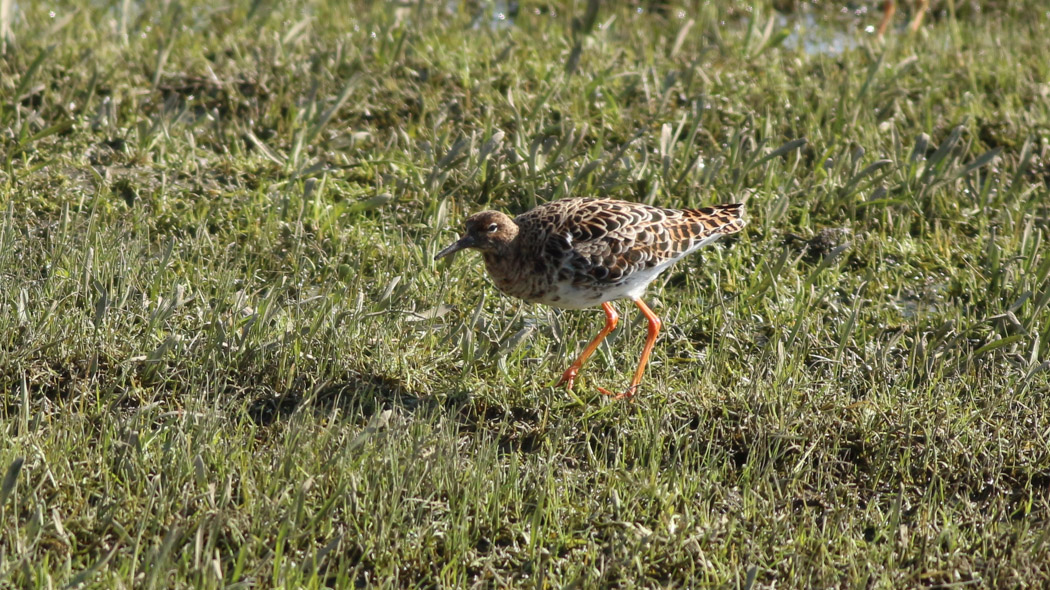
{"points": [[488, 231]]}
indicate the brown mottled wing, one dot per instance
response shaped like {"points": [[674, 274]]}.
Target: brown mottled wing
{"points": [[603, 241]]}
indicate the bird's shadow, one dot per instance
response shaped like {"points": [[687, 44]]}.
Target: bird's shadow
{"points": [[357, 397], [353, 394]]}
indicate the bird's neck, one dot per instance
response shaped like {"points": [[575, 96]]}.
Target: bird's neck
{"points": [[501, 261], [506, 268]]}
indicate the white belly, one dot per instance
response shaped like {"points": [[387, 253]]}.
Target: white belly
{"points": [[570, 296]]}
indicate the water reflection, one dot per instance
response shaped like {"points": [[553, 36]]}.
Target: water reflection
{"points": [[820, 37]]}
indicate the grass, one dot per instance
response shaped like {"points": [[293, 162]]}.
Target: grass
{"points": [[227, 358]]}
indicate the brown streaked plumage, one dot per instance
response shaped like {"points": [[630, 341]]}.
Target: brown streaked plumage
{"points": [[581, 252]]}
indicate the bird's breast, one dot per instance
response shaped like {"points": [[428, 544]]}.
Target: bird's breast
{"points": [[520, 277]]}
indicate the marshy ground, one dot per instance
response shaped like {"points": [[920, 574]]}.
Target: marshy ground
{"points": [[228, 359]]}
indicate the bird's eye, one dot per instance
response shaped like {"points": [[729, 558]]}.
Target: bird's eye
{"points": [[492, 228]]}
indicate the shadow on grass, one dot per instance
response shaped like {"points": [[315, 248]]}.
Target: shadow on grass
{"points": [[354, 394], [360, 396]]}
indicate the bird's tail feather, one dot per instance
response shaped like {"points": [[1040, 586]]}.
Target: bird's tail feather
{"points": [[719, 219]]}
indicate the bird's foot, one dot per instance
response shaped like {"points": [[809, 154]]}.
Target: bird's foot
{"points": [[567, 378], [628, 394]]}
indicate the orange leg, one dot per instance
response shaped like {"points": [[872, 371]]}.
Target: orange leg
{"points": [[889, 7], [654, 331], [921, 6], [611, 319]]}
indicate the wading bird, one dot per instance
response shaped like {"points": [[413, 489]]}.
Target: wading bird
{"points": [[581, 252]]}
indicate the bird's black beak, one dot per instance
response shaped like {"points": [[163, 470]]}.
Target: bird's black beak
{"points": [[466, 241]]}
